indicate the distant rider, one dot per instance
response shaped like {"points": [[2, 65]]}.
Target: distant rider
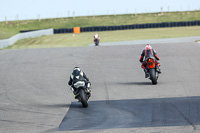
{"points": [[96, 38], [78, 75], [146, 53]]}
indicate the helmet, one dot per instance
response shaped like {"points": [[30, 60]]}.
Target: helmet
{"points": [[77, 68], [76, 71], [148, 46]]}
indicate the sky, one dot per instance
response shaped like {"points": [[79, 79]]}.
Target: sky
{"points": [[35, 9]]}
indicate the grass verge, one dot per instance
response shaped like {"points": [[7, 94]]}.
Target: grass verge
{"points": [[85, 38], [10, 28]]}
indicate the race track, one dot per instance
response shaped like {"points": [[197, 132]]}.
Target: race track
{"points": [[35, 96]]}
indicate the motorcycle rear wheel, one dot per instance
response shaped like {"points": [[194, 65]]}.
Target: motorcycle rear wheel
{"points": [[83, 98], [153, 77]]}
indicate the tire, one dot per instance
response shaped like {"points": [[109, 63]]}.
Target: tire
{"points": [[153, 78], [97, 43], [83, 98]]}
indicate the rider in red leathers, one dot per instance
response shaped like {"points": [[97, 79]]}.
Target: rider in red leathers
{"points": [[147, 52]]}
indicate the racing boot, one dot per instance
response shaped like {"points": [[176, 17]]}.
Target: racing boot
{"points": [[75, 94], [158, 69], [146, 73], [89, 91]]}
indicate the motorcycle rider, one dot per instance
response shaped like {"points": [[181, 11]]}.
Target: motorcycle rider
{"points": [[78, 75], [96, 37], [147, 52]]}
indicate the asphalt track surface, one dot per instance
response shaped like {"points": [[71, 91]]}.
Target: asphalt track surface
{"points": [[151, 41], [35, 97]]}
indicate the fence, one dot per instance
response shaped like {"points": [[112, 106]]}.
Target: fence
{"points": [[7, 42], [126, 27]]}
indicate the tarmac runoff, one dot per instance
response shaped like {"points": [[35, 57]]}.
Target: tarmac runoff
{"points": [[151, 41]]}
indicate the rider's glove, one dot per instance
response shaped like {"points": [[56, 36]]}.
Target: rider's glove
{"points": [[88, 85]]}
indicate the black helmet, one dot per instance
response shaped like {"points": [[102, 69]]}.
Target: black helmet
{"points": [[76, 71]]}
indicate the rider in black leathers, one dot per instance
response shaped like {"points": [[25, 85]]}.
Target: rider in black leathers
{"points": [[78, 75], [148, 52]]}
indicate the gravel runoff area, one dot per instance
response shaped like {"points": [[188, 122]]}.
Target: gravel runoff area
{"points": [[35, 97], [151, 41]]}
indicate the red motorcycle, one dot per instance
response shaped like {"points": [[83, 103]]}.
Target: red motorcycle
{"points": [[151, 70]]}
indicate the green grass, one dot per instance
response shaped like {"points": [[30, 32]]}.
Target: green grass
{"points": [[85, 38], [10, 28]]}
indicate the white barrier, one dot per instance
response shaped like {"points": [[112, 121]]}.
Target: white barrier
{"points": [[10, 41]]}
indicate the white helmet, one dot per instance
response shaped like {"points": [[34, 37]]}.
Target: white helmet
{"points": [[148, 46], [77, 68]]}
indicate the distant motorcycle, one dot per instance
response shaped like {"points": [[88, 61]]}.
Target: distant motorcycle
{"points": [[151, 70], [96, 41], [82, 92]]}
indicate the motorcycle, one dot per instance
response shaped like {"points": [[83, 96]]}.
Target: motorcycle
{"points": [[82, 92], [151, 70], [96, 41]]}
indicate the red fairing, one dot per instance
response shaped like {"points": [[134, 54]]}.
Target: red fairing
{"points": [[158, 58], [158, 64]]}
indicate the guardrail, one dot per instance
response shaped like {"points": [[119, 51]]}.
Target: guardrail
{"points": [[10, 41], [126, 27]]}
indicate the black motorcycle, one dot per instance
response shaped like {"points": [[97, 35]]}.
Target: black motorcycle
{"points": [[96, 41], [82, 92]]}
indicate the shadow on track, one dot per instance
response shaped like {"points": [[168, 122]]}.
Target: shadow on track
{"points": [[130, 113], [54, 105], [135, 83], [51, 130]]}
